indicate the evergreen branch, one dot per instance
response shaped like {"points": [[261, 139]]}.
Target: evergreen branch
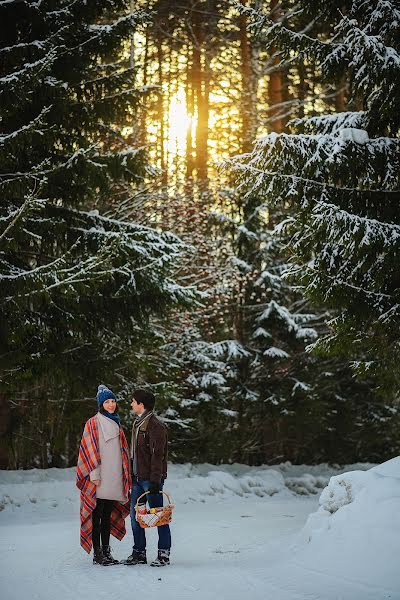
{"points": [[43, 268], [18, 214], [29, 69], [235, 165], [24, 46], [297, 271], [32, 125], [329, 124], [330, 212], [38, 173]]}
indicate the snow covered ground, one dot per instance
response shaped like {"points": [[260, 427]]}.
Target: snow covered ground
{"points": [[257, 532]]}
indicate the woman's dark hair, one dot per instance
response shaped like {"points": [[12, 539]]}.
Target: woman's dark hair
{"points": [[103, 410], [146, 398]]}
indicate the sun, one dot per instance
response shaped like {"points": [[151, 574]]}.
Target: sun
{"points": [[179, 123]]}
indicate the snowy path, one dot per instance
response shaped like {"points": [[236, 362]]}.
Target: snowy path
{"points": [[219, 552], [225, 550], [225, 547]]}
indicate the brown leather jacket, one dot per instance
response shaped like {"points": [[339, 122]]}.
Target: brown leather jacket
{"points": [[151, 449]]}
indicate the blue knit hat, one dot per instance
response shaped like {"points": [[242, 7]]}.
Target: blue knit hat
{"points": [[103, 394]]}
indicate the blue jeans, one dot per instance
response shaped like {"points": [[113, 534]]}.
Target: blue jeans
{"points": [[164, 533]]}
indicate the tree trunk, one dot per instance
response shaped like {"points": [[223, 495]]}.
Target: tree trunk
{"points": [[302, 88], [160, 111], [5, 431], [248, 104], [142, 113], [190, 112], [201, 87], [340, 103], [276, 95]]}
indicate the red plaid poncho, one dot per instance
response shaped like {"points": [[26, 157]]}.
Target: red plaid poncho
{"points": [[88, 460]]}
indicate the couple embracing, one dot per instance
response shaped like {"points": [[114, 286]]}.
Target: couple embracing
{"points": [[111, 477]]}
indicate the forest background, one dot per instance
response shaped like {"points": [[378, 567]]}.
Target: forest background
{"points": [[147, 238]]}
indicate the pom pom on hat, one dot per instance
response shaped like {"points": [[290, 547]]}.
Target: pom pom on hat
{"points": [[103, 394]]}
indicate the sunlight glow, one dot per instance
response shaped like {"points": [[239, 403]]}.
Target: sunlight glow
{"points": [[179, 123]]}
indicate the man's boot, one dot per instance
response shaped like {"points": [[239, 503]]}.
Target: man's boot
{"points": [[107, 554], [99, 558], [138, 557], [162, 559]]}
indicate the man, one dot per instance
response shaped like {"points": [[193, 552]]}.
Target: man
{"points": [[149, 470]]}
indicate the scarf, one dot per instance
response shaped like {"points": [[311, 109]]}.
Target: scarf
{"points": [[112, 416], [140, 418]]}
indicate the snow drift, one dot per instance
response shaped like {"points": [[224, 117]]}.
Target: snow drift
{"points": [[356, 531], [54, 489]]}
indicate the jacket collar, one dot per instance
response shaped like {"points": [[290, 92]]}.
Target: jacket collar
{"points": [[145, 416], [109, 427]]}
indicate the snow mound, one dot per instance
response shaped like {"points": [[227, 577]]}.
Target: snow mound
{"points": [[222, 484], [356, 530], [51, 491], [37, 475], [365, 489], [306, 484], [390, 468]]}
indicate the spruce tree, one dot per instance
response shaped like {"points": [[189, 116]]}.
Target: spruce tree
{"points": [[76, 288], [338, 176]]}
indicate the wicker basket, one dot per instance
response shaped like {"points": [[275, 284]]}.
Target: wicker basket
{"points": [[161, 516]]}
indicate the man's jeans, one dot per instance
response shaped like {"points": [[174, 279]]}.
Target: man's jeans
{"points": [[154, 500]]}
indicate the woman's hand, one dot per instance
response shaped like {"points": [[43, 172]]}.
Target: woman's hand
{"points": [[96, 481]]}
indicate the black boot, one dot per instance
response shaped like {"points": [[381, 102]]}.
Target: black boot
{"points": [[162, 559], [107, 554], [138, 557], [99, 558]]}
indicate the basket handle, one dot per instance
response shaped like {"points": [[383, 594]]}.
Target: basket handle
{"points": [[145, 493]]}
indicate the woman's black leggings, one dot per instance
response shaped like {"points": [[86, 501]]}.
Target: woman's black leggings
{"points": [[101, 520]]}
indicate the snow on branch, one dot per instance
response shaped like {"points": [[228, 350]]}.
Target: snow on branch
{"points": [[318, 160], [37, 125], [231, 349], [329, 124]]}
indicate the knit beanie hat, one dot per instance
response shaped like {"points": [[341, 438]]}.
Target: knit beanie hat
{"points": [[103, 394]]}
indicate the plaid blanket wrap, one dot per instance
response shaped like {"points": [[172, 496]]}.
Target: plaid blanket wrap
{"points": [[88, 460]]}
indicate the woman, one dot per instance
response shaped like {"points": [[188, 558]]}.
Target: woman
{"points": [[104, 479]]}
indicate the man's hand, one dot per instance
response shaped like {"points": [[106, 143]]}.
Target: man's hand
{"points": [[154, 487], [96, 481]]}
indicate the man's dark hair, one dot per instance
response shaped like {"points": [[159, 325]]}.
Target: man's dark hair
{"points": [[146, 398]]}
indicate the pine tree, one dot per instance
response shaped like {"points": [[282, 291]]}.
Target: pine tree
{"points": [[280, 399], [76, 288], [264, 319], [338, 175], [201, 413]]}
